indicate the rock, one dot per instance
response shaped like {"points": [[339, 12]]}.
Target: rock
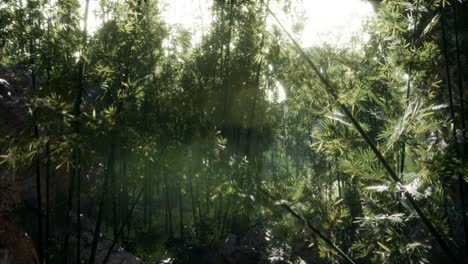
{"points": [[4, 87], [205, 255], [229, 246], [15, 245], [234, 252], [118, 254], [165, 261]]}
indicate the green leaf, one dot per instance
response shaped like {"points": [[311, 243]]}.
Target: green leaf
{"points": [[383, 246]]}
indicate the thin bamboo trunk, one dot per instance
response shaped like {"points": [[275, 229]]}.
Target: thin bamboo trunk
{"points": [[36, 136], [199, 210], [77, 110], [124, 195], [71, 188], [219, 215], [168, 208], [224, 220], [114, 220], [166, 202], [461, 181], [455, 6], [39, 204], [181, 213], [47, 209], [48, 159], [150, 200], [194, 212], [107, 176], [226, 115]]}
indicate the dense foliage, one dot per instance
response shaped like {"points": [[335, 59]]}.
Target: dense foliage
{"points": [[165, 143]]}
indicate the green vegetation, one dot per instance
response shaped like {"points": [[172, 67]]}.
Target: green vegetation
{"points": [[165, 146]]}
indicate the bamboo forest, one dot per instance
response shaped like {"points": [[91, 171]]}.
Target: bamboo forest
{"points": [[233, 131]]}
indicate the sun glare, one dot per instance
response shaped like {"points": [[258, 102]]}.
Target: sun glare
{"points": [[332, 22], [192, 15]]}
